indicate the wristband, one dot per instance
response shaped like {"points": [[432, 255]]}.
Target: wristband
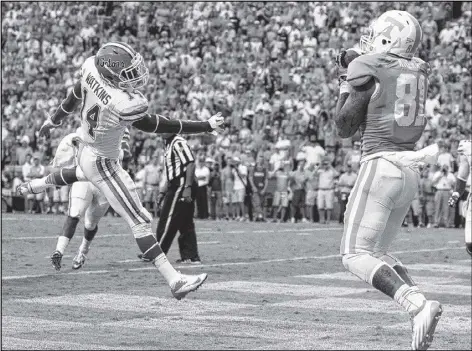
{"points": [[344, 87], [52, 122]]}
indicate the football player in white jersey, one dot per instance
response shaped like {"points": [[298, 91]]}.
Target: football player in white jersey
{"points": [[465, 150], [383, 96], [111, 102], [85, 200]]}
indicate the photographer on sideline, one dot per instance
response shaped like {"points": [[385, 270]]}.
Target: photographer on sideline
{"points": [[444, 182]]}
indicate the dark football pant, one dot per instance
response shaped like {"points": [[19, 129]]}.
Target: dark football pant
{"points": [[177, 216]]}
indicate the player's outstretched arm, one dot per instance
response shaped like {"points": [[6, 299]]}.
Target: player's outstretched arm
{"points": [[67, 106], [352, 108], [160, 124]]}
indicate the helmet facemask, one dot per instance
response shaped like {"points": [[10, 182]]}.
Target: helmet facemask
{"points": [[366, 41], [133, 77], [376, 42]]}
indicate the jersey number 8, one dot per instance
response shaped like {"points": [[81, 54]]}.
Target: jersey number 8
{"points": [[91, 116], [409, 106]]}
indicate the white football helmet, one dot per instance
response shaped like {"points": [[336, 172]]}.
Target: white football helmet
{"points": [[395, 32]]}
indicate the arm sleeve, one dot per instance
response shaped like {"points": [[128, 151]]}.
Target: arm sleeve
{"points": [[160, 124], [69, 104], [360, 71]]}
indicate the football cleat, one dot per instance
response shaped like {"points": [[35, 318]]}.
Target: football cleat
{"points": [[56, 259], [424, 323], [186, 284], [78, 261], [24, 189]]}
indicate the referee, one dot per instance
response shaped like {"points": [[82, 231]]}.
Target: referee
{"points": [[178, 204]]}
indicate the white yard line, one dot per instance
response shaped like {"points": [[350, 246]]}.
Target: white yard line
{"points": [[200, 231], [18, 277]]}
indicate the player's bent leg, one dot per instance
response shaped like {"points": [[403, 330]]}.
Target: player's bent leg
{"points": [[115, 182], [92, 217], [384, 278], [64, 176], [80, 199]]}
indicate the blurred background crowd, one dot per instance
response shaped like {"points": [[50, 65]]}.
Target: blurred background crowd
{"points": [[268, 66]]}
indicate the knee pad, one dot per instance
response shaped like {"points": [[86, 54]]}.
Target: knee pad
{"points": [[90, 224], [75, 211]]}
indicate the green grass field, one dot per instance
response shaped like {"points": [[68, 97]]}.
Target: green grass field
{"points": [[270, 286]]}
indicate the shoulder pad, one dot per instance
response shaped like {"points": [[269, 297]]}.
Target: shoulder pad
{"points": [[87, 65], [362, 69], [132, 107]]}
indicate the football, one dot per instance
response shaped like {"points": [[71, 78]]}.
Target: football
{"points": [[349, 56]]}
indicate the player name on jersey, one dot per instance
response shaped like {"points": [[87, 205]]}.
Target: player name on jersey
{"points": [[97, 89]]}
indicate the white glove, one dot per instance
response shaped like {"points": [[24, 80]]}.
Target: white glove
{"points": [[427, 155], [216, 121]]}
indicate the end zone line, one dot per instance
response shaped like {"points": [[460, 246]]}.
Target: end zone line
{"points": [[18, 277]]}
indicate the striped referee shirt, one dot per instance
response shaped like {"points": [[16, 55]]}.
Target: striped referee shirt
{"points": [[177, 156]]}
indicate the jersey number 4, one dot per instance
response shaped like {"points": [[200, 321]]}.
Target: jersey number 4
{"points": [[91, 116], [409, 106]]}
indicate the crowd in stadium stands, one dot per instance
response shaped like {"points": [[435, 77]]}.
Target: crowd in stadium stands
{"points": [[267, 66]]}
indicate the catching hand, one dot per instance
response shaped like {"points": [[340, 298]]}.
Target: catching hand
{"points": [[465, 148], [453, 199], [216, 121], [46, 128]]}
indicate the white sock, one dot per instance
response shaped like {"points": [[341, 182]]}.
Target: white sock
{"points": [[84, 247], [168, 272], [409, 297], [39, 185], [62, 243]]}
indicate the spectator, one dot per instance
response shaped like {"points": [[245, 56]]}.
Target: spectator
{"points": [[297, 185], [240, 175], [312, 182], [345, 185], [444, 182], [23, 150], [281, 194], [35, 171], [258, 179], [151, 177], [327, 176], [216, 203], [227, 180], [426, 192], [202, 175]]}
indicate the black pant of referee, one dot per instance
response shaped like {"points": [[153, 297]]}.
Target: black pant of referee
{"points": [[177, 215], [179, 201]]}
